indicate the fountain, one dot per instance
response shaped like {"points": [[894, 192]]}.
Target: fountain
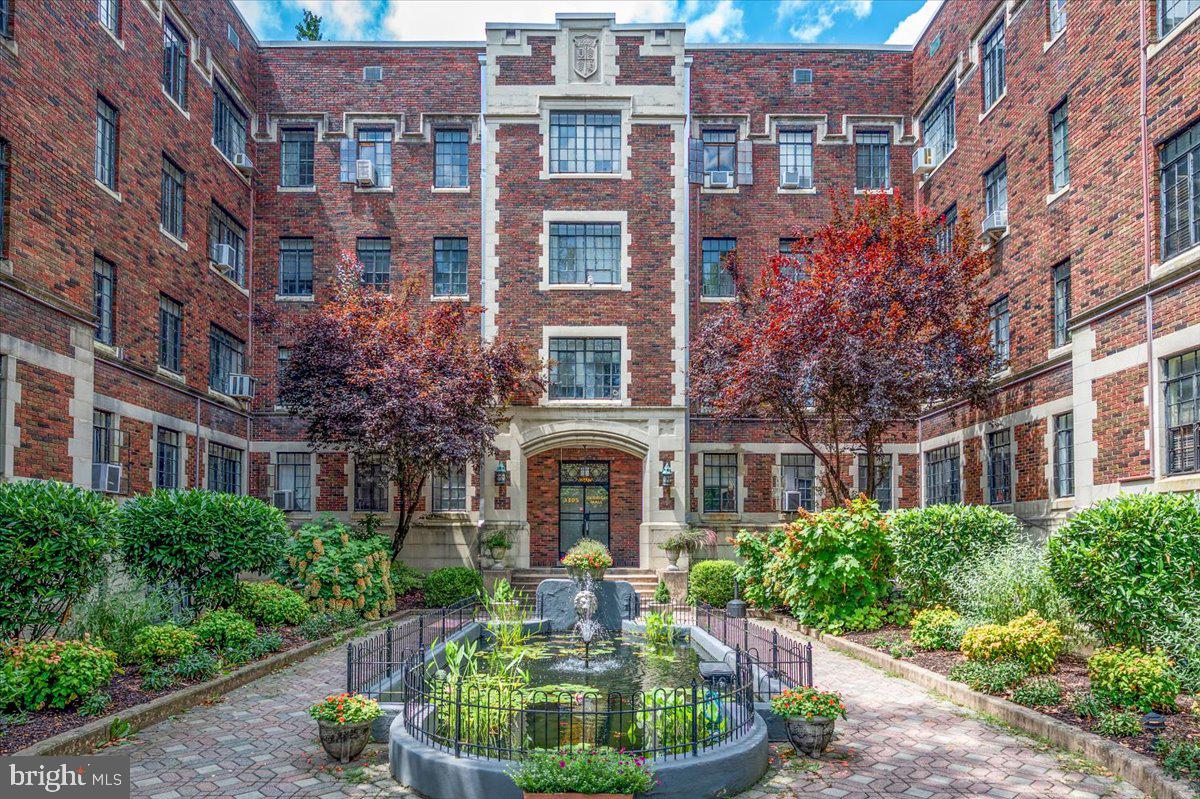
{"points": [[587, 628]]}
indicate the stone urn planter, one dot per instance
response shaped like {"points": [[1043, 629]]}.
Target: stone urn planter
{"points": [[577, 573], [810, 737], [344, 724], [810, 715], [497, 556], [344, 742], [673, 559]]}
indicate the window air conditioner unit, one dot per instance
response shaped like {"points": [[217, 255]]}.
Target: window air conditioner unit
{"points": [[791, 501], [721, 179], [996, 223], [242, 162], [284, 500], [106, 477], [241, 386], [790, 179], [923, 162], [223, 256], [364, 172]]}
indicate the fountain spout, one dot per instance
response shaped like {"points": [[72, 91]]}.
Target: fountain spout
{"points": [[587, 628]]}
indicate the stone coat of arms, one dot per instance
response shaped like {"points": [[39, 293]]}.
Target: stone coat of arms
{"points": [[586, 58]]}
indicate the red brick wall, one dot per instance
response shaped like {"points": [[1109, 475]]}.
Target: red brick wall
{"points": [[536, 68], [45, 424], [636, 69]]}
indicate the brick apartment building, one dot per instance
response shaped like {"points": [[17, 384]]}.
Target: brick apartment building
{"points": [[165, 179]]}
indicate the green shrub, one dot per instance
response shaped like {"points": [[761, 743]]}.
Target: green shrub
{"points": [[337, 571], [318, 625], [200, 540], [1030, 640], [754, 549], [112, 618], [1118, 724], [1180, 757], [662, 594], [937, 628], [55, 673], [711, 582], [55, 542], [1131, 564], [452, 584], [1128, 677], [1042, 692], [1088, 705], [270, 604], [266, 644], [159, 643], [894, 645], [858, 620], [200, 665], [95, 705], [991, 678], [1180, 639], [406, 579], [222, 628], [583, 770], [931, 543], [158, 678]]}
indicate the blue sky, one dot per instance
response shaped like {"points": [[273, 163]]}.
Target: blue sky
{"points": [[831, 21]]}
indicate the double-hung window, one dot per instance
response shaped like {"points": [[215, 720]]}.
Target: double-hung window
{"points": [[999, 476], [943, 481], [720, 482], [585, 368], [223, 229], [109, 14], [225, 357], [1173, 12], [166, 459], [106, 143], [995, 193], [794, 267], [1058, 17], [585, 253], [1180, 193], [796, 159], [715, 278], [937, 126], [992, 49], [720, 150], [798, 472], [103, 290], [296, 267], [4, 167], [174, 193], [175, 63], [1064, 454], [106, 442], [170, 334], [872, 171], [6, 19], [450, 267], [583, 143], [1181, 382], [881, 491], [370, 485], [296, 157], [1060, 173], [450, 158], [224, 469], [293, 472], [375, 145], [375, 255], [1062, 303], [450, 489], [998, 327], [944, 235], [229, 123]]}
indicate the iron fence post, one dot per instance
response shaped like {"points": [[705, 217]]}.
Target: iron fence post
{"points": [[695, 721], [390, 655], [775, 650], [458, 719], [808, 663], [349, 668]]}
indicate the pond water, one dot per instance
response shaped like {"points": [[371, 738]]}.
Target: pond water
{"points": [[616, 664]]}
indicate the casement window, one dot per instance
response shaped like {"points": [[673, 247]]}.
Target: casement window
{"points": [[798, 474], [375, 255], [1059, 151], [881, 491], [999, 329], [370, 486], [175, 63], [450, 490], [1064, 455], [106, 440], [224, 469], [943, 479], [106, 143], [1058, 17], [999, 473], [170, 334], [1181, 383], [992, 49], [938, 126], [585, 368], [296, 267], [166, 459], [944, 236], [103, 290], [174, 194], [1061, 277], [296, 157], [226, 354], [584, 143], [871, 160], [283, 357], [4, 169], [995, 192], [795, 268], [1180, 192], [375, 145], [720, 482], [293, 472], [715, 279], [224, 229], [6, 19], [585, 253], [796, 159], [450, 267], [450, 158], [229, 123], [720, 150], [1173, 12]]}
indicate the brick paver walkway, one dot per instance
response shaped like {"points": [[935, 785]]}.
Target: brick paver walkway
{"points": [[899, 742]]}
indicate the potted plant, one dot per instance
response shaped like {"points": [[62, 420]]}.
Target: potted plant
{"points": [[588, 556], [579, 772], [344, 721], [810, 716], [496, 545], [689, 540]]}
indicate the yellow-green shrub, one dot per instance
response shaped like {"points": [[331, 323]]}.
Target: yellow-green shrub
{"points": [[1029, 639], [337, 571], [1129, 677], [937, 628], [270, 604], [162, 642]]}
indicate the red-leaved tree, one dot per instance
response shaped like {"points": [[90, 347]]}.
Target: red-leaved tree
{"points": [[869, 321], [381, 375]]}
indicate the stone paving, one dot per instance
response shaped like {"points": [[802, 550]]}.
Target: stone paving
{"points": [[898, 742]]}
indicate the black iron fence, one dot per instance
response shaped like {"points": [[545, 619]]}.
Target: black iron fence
{"points": [[372, 664]]}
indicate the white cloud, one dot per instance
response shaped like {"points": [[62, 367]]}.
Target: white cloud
{"points": [[809, 19], [342, 20], [912, 26], [722, 23]]}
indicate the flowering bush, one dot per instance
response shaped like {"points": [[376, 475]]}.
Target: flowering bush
{"points": [[755, 549], [1030, 640], [590, 771], [337, 571], [1132, 678], [809, 703], [588, 554], [54, 673], [345, 709]]}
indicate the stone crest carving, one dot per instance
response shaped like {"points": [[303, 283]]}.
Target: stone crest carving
{"points": [[586, 57]]}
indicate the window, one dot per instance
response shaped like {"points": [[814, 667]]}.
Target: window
{"points": [[3, 196], [993, 66], [173, 195], [106, 446], [1062, 303], [293, 472], [585, 143], [282, 358], [225, 355], [585, 253], [296, 267], [229, 123], [796, 158], [1180, 158], [170, 334], [1059, 152], [942, 479], [1058, 17], [233, 37], [370, 485], [937, 126], [998, 326], [881, 492], [450, 158], [720, 150], [999, 476], [715, 279], [795, 268], [450, 267], [109, 14], [995, 192], [871, 160], [944, 237], [175, 62], [375, 255], [166, 459], [375, 145], [224, 469], [106, 143], [1064, 455], [798, 473], [296, 157], [1181, 376], [103, 283], [1173, 12], [224, 229], [720, 482], [585, 368], [450, 490], [5, 20]]}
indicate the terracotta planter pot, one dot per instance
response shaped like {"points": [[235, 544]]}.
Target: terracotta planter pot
{"points": [[344, 742], [578, 796], [810, 737]]}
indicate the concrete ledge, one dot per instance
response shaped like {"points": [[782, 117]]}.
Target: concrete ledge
{"points": [[1138, 770]]}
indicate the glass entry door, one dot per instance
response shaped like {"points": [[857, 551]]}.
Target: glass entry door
{"points": [[582, 503]]}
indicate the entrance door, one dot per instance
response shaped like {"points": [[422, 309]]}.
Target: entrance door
{"points": [[582, 503]]}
